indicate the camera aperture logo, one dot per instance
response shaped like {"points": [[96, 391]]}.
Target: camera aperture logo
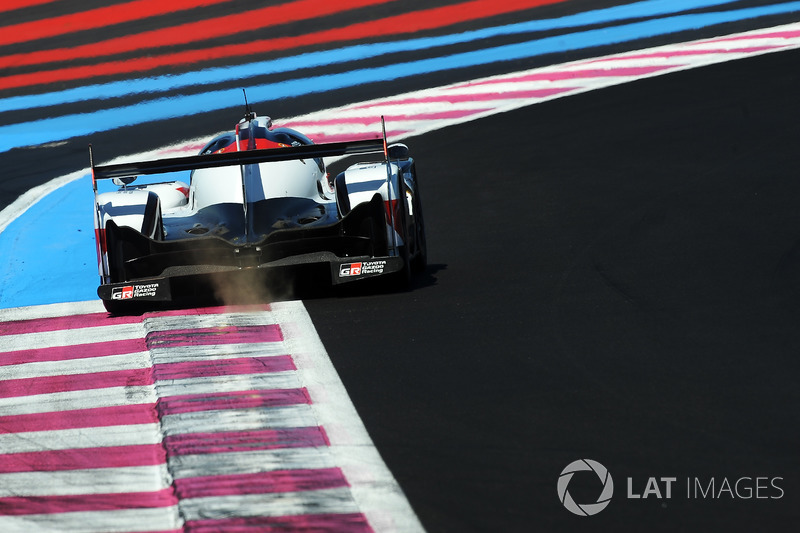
{"points": [[585, 509], [746, 487]]}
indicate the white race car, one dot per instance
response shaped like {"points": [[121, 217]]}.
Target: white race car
{"points": [[258, 201]]}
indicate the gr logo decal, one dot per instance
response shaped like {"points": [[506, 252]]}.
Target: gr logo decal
{"points": [[122, 293], [352, 269], [365, 268]]}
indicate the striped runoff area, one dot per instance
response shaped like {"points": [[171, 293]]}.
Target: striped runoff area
{"points": [[198, 420], [55, 211], [419, 112], [138, 62], [426, 110]]}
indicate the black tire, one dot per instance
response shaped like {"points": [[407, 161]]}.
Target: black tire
{"points": [[402, 280], [420, 261], [117, 308], [342, 198]]}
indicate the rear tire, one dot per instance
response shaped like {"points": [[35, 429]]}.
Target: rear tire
{"points": [[402, 279], [342, 198], [127, 308], [420, 261]]}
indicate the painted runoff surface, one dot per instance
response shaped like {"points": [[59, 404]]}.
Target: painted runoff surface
{"points": [[161, 97], [220, 418], [61, 224], [205, 419]]}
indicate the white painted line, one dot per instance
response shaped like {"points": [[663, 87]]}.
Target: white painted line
{"points": [[374, 489], [186, 466], [89, 481], [51, 310], [205, 385], [66, 439], [81, 399], [108, 363], [158, 324], [27, 200], [376, 107], [429, 100], [270, 504], [185, 354], [71, 337], [239, 420], [141, 520]]}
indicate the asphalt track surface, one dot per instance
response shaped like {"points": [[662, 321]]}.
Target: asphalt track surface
{"points": [[613, 276]]}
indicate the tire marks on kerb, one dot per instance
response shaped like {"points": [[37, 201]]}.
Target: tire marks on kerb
{"points": [[208, 419]]}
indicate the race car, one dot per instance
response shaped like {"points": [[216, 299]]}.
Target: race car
{"points": [[259, 200]]}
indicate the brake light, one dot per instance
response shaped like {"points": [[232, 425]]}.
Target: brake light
{"points": [[392, 214]]}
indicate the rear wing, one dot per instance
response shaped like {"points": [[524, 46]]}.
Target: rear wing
{"points": [[246, 157]]}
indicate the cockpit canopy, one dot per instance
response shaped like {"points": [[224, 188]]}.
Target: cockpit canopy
{"points": [[256, 133], [295, 178]]}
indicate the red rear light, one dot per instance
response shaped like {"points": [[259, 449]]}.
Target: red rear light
{"points": [[393, 215]]}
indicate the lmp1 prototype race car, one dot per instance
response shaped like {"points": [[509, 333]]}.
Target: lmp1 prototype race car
{"points": [[259, 202]]}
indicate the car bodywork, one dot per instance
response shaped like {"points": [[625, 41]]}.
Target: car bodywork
{"points": [[259, 200]]}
